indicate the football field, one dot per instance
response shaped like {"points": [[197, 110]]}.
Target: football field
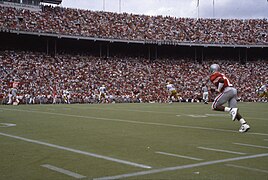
{"points": [[132, 141]]}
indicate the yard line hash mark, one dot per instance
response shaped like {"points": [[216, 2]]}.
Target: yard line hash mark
{"points": [[78, 151], [177, 155], [251, 145], [131, 121], [154, 171], [221, 150], [247, 168], [63, 171]]}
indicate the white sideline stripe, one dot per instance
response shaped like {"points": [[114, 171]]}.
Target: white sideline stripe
{"points": [[180, 167], [130, 110], [78, 151], [221, 150], [63, 171], [251, 145], [177, 155], [159, 112], [247, 168], [135, 122], [265, 139], [218, 115]]}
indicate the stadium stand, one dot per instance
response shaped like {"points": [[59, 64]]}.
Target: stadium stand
{"points": [[39, 74], [85, 23], [128, 78]]}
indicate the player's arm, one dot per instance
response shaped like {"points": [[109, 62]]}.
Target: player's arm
{"points": [[220, 84]]}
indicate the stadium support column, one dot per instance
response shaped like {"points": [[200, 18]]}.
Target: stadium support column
{"points": [[243, 55], [108, 51], [246, 54], [202, 59], [47, 46], [55, 47], [199, 54], [155, 51], [51, 46], [100, 50], [104, 50], [195, 54], [152, 52], [149, 52]]}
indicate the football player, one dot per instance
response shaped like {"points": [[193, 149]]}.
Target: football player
{"points": [[172, 92], [262, 91], [227, 94], [205, 93], [102, 95], [66, 96], [13, 92]]}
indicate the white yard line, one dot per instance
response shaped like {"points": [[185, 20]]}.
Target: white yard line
{"points": [[78, 151], [265, 139], [131, 121], [177, 155], [247, 168], [7, 125], [221, 150], [63, 171], [180, 167], [251, 145]]}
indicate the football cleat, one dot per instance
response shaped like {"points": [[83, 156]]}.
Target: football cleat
{"points": [[244, 128], [233, 113]]}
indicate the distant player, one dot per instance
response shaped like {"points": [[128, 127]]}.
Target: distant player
{"points": [[102, 95], [54, 94], [172, 92], [66, 96], [12, 96], [262, 91], [136, 95], [227, 94], [205, 93]]}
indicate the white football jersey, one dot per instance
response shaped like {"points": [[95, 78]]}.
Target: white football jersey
{"points": [[102, 89], [170, 87]]}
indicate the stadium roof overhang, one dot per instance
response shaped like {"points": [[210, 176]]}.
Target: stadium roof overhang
{"points": [[156, 42], [52, 1]]}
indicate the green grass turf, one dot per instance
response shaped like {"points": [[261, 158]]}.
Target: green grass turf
{"points": [[131, 132]]}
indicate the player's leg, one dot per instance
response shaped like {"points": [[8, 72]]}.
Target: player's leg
{"points": [[205, 98], [217, 105], [54, 100], [244, 125], [9, 98], [170, 98], [17, 100], [230, 96], [224, 97], [176, 96], [68, 99]]}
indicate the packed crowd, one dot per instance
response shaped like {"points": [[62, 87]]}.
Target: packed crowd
{"points": [[75, 22], [126, 79]]}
